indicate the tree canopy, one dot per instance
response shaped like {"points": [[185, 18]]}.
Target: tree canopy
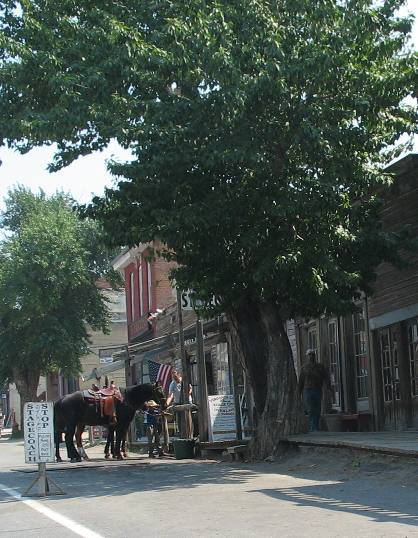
{"points": [[255, 126], [259, 129], [48, 293]]}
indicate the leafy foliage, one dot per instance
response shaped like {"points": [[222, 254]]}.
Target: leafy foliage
{"points": [[47, 286], [259, 129]]}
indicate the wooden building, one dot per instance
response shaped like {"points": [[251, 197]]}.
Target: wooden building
{"points": [[372, 355], [153, 335]]}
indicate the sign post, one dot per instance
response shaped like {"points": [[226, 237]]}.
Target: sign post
{"points": [[39, 444]]}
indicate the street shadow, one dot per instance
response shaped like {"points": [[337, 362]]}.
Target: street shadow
{"points": [[383, 505], [127, 477]]}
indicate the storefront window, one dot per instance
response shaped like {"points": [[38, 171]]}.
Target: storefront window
{"points": [[312, 340], [334, 363], [390, 365], [413, 355], [223, 384], [360, 355]]}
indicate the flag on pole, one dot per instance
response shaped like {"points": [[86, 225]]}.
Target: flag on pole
{"points": [[160, 372]]}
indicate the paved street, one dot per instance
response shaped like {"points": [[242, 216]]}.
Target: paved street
{"points": [[315, 493]]}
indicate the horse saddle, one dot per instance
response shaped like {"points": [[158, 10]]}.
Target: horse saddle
{"points": [[103, 393], [105, 400]]}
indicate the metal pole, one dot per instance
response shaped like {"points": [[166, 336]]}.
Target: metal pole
{"points": [[186, 425], [203, 386]]}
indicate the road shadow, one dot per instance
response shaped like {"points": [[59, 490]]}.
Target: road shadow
{"points": [[383, 506], [127, 478]]}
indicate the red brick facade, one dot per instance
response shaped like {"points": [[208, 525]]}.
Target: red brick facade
{"points": [[147, 288]]}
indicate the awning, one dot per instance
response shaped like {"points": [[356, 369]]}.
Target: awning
{"points": [[97, 373]]}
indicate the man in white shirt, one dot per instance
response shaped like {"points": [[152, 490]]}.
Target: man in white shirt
{"points": [[175, 397], [174, 390]]}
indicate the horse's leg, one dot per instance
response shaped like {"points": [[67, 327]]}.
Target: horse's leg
{"points": [[112, 442], [119, 436], [108, 442], [123, 447], [69, 441], [79, 441], [58, 437]]}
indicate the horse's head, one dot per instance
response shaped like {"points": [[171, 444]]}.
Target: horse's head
{"points": [[158, 395]]}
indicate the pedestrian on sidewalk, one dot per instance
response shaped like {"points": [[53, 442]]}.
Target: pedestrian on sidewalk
{"points": [[153, 418], [313, 377]]}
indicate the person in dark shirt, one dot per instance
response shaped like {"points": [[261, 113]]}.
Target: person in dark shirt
{"points": [[313, 377], [153, 418]]}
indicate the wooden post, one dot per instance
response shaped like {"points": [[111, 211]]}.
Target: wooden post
{"points": [[186, 424], [129, 381], [233, 364], [166, 435], [203, 386], [44, 483]]}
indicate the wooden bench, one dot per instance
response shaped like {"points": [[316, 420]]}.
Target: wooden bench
{"points": [[237, 452], [355, 422]]}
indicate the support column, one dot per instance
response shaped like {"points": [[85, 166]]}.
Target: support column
{"points": [[203, 386], [186, 425]]}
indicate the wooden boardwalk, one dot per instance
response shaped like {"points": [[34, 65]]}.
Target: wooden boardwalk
{"points": [[395, 443]]}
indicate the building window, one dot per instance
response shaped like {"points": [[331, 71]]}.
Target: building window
{"points": [[149, 283], [334, 363], [140, 290], [312, 340], [360, 355], [132, 290], [390, 365], [413, 355], [220, 357]]}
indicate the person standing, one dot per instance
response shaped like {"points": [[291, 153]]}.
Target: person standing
{"points": [[313, 377], [175, 396], [153, 417]]}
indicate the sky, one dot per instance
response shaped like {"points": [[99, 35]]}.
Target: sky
{"points": [[87, 176]]}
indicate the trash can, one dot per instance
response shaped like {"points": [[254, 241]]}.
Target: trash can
{"points": [[183, 448]]}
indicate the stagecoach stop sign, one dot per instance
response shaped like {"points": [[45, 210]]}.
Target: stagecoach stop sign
{"points": [[39, 432], [39, 443]]}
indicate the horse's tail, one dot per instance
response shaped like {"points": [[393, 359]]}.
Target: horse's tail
{"points": [[59, 422]]}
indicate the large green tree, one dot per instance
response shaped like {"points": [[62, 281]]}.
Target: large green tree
{"points": [[48, 294], [259, 129]]}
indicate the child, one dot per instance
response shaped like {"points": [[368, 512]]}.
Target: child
{"points": [[153, 417]]}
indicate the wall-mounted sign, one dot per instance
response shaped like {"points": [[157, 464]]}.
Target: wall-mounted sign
{"points": [[39, 432], [222, 421], [189, 301]]}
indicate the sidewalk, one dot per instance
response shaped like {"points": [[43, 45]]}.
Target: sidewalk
{"points": [[394, 443]]}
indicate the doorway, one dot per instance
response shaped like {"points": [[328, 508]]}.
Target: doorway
{"points": [[389, 356]]}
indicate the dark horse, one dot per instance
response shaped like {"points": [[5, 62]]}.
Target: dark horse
{"points": [[73, 409]]}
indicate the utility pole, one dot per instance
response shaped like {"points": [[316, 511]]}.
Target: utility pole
{"points": [[186, 424], [203, 386]]}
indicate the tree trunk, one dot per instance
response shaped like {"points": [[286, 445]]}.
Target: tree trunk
{"points": [[27, 387], [259, 335]]}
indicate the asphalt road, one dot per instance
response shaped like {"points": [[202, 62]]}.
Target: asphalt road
{"points": [[313, 494]]}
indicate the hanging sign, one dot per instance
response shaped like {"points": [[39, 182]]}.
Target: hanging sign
{"points": [[39, 432], [189, 301], [222, 420]]}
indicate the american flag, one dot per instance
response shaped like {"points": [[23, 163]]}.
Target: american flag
{"points": [[160, 372]]}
